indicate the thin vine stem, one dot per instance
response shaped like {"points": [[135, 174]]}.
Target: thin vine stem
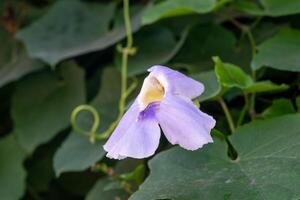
{"points": [[227, 115], [125, 92], [247, 30], [244, 110]]}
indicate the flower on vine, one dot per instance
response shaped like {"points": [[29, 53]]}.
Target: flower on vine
{"points": [[165, 101]]}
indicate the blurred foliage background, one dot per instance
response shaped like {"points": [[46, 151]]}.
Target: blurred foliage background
{"points": [[58, 54]]}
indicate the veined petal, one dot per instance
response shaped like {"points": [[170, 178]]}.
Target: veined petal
{"points": [[139, 140], [176, 83], [129, 117], [183, 123]]}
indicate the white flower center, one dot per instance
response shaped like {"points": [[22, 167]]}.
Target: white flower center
{"points": [[152, 91]]}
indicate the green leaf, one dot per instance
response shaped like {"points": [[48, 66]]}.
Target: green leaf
{"points": [[203, 42], [279, 107], [99, 191], [76, 152], [18, 68], [269, 7], [172, 8], [12, 172], [280, 52], [135, 175], [265, 86], [155, 45], [298, 103], [42, 104], [230, 75], [72, 28], [267, 167], [211, 85]]}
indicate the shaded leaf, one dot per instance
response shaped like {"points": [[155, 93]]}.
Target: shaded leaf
{"points": [[298, 103], [84, 28], [171, 8], [42, 104], [211, 84], [77, 153], [154, 46], [18, 68], [269, 7], [100, 191], [12, 172], [265, 86], [279, 107], [203, 42], [267, 167], [280, 52]]}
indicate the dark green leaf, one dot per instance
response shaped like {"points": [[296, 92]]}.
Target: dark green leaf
{"points": [[77, 153], [203, 42], [280, 52], [211, 84], [72, 28], [298, 103], [154, 46], [267, 167], [99, 191], [270, 7], [171, 8], [42, 104], [279, 107], [18, 68], [12, 172]]}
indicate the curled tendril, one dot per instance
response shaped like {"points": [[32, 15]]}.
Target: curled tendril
{"points": [[92, 133], [129, 50]]}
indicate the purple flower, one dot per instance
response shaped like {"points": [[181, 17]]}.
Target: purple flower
{"points": [[164, 101]]}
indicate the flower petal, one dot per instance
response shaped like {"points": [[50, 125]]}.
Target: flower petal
{"points": [[128, 118], [139, 140], [183, 123], [175, 82]]}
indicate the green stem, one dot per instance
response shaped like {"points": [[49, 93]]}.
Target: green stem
{"points": [[126, 51], [93, 132], [127, 23], [252, 42], [244, 110], [227, 115]]}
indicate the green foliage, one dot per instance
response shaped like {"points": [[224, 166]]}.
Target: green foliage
{"points": [[149, 54], [85, 29], [266, 168], [12, 172], [269, 7], [43, 102], [100, 189], [172, 8], [279, 107], [210, 81], [58, 54], [280, 52], [77, 153]]}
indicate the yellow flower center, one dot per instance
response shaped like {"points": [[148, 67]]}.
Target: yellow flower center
{"points": [[152, 91]]}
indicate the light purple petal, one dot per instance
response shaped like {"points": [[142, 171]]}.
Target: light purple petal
{"points": [[128, 118], [140, 139], [183, 123], [176, 83]]}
